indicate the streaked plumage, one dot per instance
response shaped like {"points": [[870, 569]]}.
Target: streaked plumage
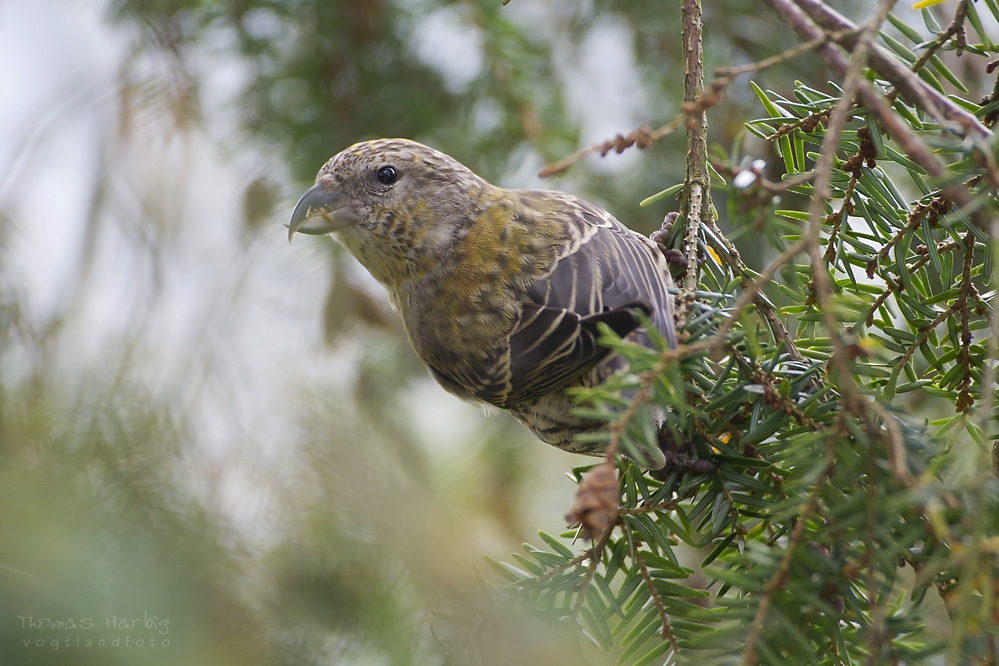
{"points": [[500, 290]]}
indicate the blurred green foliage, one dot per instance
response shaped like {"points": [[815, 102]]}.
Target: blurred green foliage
{"points": [[324, 75], [850, 514]]}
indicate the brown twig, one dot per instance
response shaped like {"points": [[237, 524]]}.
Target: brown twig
{"points": [[724, 248], [960, 306], [554, 571], [771, 188], [697, 195], [809, 123], [853, 400], [910, 143], [918, 152], [643, 137], [750, 294], [964, 398], [595, 553], [836, 219], [772, 397], [695, 200], [666, 631], [663, 506], [990, 119], [915, 219], [911, 88], [893, 286], [784, 568], [821, 276], [956, 27], [733, 512], [923, 336], [790, 54]]}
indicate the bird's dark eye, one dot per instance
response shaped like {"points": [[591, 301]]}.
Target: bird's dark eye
{"points": [[388, 175]]}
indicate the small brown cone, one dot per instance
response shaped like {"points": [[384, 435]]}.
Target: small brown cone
{"points": [[596, 504]]}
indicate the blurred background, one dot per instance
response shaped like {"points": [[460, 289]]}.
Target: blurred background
{"points": [[216, 447]]}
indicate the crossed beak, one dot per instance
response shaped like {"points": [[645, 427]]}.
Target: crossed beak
{"points": [[322, 209]]}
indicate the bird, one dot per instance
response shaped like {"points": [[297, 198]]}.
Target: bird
{"points": [[501, 291]]}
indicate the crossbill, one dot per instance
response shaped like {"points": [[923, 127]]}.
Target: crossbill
{"points": [[501, 290]]}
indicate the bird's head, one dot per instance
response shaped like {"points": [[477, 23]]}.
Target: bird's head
{"points": [[397, 205]]}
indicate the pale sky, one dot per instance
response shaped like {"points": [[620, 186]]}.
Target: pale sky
{"points": [[230, 327]]}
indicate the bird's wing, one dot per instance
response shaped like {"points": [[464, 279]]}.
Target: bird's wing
{"points": [[552, 346], [604, 273]]}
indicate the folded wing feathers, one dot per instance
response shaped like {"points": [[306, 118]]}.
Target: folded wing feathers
{"points": [[604, 269]]}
